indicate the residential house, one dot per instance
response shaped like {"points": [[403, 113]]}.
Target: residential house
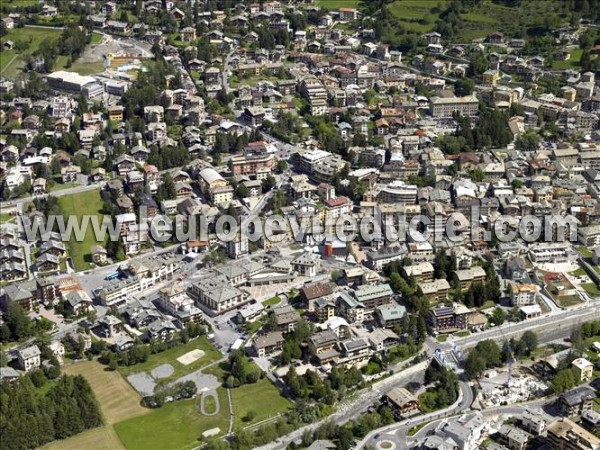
{"points": [[29, 358]]}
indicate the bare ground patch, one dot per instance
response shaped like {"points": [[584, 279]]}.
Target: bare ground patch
{"points": [[190, 357]]}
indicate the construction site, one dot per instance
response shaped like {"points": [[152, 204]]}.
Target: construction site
{"points": [[497, 390]]}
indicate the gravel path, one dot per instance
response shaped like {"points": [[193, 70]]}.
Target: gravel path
{"points": [[203, 382], [231, 413], [145, 382], [206, 395]]}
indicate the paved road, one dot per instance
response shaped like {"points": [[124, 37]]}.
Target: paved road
{"points": [[225, 73], [398, 432], [511, 410], [549, 328], [552, 326], [356, 405]]}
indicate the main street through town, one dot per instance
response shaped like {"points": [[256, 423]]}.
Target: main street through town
{"points": [[552, 327]]}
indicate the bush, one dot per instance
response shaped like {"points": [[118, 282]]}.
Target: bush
{"points": [[178, 391], [249, 417]]}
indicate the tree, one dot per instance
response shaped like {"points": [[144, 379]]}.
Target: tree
{"points": [[564, 380], [18, 323], [250, 416], [269, 183], [527, 142], [36, 418], [585, 61], [242, 191], [282, 165], [477, 175], [166, 191], [474, 365], [586, 40], [529, 342], [464, 87], [498, 317]]}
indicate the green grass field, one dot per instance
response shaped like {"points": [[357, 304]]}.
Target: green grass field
{"points": [[170, 356], [571, 63], [96, 37], [272, 301], [262, 398], [85, 68], [175, 426], [11, 60], [585, 252], [567, 301], [210, 405], [579, 272], [6, 218], [417, 16], [336, 4], [80, 204], [591, 289], [181, 423], [19, 3], [118, 401], [489, 16]]}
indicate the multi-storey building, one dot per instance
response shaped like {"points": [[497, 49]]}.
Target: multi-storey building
{"points": [[446, 107]]}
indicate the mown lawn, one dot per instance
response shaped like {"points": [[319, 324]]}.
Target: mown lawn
{"points": [[579, 272], [337, 4], [118, 400], [567, 300], [11, 61], [271, 301], [210, 405], [175, 426], [585, 252], [79, 66], [170, 356], [101, 438], [262, 398], [96, 37], [79, 205], [591, 289]]}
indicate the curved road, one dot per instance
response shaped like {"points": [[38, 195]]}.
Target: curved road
{"points": [[398, 431]]}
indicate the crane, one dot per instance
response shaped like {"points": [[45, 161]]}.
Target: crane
{"points": [[511, 357]]}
